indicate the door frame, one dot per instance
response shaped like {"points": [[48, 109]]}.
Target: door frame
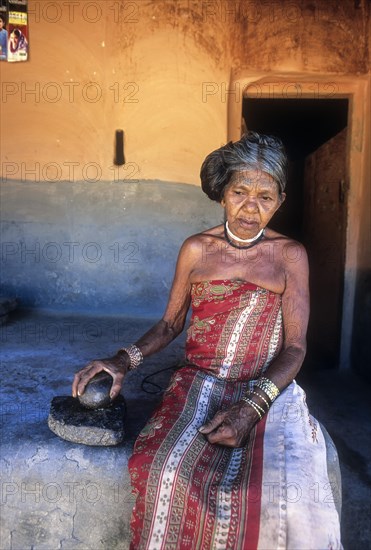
{"points": [[288, 85]]}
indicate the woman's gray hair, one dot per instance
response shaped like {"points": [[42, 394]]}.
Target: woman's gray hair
{"points": [[252, 152]]}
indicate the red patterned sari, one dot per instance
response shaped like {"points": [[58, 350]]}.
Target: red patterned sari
{"points": [[192, 495]]}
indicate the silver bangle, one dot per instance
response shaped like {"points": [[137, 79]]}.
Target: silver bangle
{"points": [[135, 356]]}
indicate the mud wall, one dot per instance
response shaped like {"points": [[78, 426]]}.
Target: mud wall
{"points": [[160, 70], [98, 248]]}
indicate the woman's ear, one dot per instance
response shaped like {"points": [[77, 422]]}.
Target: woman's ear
{"points": [[282, 197], [222, 202]]}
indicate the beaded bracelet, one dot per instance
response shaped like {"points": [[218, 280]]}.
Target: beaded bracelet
{"points": [[135, 356], [247, 399], [259, 407], [263, 398], [253, 405], [268, 387]]}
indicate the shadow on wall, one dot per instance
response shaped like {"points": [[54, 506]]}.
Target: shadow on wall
{"points": [[97, 247]]}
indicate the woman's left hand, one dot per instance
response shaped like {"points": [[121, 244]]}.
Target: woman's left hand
{"points": [[232, 426]]}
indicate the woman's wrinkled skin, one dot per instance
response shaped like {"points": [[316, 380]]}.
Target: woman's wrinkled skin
{"points": [[231, 428]]}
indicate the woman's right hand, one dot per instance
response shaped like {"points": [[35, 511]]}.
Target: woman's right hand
{"points": [[117, 366]]}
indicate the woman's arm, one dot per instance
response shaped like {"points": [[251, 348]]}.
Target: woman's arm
{"points": [[173, 320], [295, 316], [159, 336], [232, 426]]}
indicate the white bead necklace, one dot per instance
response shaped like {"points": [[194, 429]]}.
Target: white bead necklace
{"points": [[235, 238]]}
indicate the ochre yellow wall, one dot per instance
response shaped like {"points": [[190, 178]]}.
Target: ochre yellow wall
{"points": [[147, 65], [159, 70]]}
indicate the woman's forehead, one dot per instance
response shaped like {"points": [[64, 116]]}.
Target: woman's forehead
{"points": [[253, 177]]}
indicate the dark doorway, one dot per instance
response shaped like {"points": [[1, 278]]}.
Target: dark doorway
{"points": [[314, 132]]}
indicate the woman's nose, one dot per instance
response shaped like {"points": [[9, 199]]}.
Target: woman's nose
{"points": [[250, 204]]}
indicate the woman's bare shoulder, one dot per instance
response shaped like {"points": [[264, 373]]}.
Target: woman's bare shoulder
{"points": [[292, 252], [281, 239], [199, 238], [192, 249]]}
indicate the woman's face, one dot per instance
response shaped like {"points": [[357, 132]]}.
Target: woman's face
{"points": [[250, 200]]}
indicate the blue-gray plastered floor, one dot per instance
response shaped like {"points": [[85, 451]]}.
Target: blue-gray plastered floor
{"points": [[41, 352]]}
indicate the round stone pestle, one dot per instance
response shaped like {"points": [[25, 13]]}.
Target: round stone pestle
{"points": [[96, 394]]}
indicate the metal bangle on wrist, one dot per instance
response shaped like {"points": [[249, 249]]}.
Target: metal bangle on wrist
{"points": [[255, 406], [268, 387], [262, 398], [135, 356]]}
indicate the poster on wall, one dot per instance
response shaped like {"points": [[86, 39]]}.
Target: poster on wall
{"points": [[3, 31], [13, 30]]}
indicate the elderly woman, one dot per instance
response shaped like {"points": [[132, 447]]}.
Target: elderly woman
{"points": [[231, 458]]}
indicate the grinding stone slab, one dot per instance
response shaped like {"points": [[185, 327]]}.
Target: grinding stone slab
{"points": [[70, 421]]}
